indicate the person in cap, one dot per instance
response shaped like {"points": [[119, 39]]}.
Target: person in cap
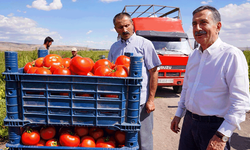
{"points": [[74, 52]]}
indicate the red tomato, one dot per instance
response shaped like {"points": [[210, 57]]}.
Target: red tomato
{"points": [[65, 94], [32, 70], [84, 95], [79, 65], [102, 62], [48, 132], [91, 61], [90, 74], [51, 142], [53, 68], [67, 139], [27, 67], [66, 62], [109, 131], [81, 131], [30, 137], [105, 142], [87, 141], [123, 60], [120, 71], [103, 71], [63, 130], [96, 132], [52, 60], [120, 137], [62, 71], [41, 143], [112, 96], [39, 62], [42, 71]]}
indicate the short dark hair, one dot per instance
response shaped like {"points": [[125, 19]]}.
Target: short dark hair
{"points": [[121, 15], [48, 39], [215, 12]]}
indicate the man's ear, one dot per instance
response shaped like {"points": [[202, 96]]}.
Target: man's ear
{"points": [[218, 27]]}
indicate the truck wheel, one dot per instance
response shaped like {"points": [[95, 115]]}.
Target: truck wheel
{"points": [[177, 89]]}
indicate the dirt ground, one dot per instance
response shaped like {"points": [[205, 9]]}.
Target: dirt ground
{"points": [[164, 139]]}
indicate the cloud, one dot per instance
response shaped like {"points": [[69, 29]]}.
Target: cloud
{"points": [[89, 32], [206, 2], [109, 1], [73, 0], [23, 30], [113, 30], [11, 14], [105, 44], [42, 5], [21, 11], [235, 26]]}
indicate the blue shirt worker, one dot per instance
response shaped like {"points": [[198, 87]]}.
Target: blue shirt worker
{"points": [[215, 93], [47, 43], [139, 46]]}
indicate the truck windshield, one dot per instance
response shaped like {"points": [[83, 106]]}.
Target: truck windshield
{"points": [[172, 47]]}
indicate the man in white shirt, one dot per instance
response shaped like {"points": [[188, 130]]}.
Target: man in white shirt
{"points": [[215, 93]]}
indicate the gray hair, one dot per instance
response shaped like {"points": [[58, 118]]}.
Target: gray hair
{"points": [[215, 12], [121, 15]]}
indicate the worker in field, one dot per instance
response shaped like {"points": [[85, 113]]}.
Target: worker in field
{"points": [[215, 92], [47, 43], [74, 52], [131, 43]]}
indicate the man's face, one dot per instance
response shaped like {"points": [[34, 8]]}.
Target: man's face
{"points": [[124, 27], [205, 29], [48, 44], [74, 53]]}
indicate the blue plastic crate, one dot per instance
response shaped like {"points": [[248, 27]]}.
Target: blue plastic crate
{"points": [[22, 147], [60, 99], [33, 99]]}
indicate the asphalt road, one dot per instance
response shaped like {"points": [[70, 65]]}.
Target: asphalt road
{"points": [[164, 139]]}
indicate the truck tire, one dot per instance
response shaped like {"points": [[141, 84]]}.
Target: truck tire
{"points": [[177, 89]]}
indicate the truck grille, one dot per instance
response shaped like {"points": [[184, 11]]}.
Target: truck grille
{"points": [[161, 74], [172, 67], [172, 74]]}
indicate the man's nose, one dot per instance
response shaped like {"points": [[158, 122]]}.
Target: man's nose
{"points": [[197, 27], [124, 29]]}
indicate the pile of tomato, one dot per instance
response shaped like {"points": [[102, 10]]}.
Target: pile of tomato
{"points": [[55, 64], [78, 136]]}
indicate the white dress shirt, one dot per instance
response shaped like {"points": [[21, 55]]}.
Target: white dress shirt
{"points": [[216, 83]]}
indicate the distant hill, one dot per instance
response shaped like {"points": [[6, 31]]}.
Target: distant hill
{"points": [[10, 46]]}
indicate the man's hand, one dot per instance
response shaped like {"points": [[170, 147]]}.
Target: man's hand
{"points": [[150, 106], [175, 124], [216, 144]]}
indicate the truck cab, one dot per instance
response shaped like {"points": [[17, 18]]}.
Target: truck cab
{"points": [[162, 25]]}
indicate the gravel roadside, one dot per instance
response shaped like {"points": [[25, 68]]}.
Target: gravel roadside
{"points": [[164, 139]]}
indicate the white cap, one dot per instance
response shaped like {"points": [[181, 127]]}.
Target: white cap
{"points": [[74, 49]]}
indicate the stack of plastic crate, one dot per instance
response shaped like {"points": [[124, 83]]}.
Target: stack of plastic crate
{"points": [[35, 100]]}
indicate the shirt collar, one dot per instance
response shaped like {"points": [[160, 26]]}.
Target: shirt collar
{"points": [[128, 40], [213, 48]]}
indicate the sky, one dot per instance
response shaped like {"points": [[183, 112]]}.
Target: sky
{"points": [[89, 23]]}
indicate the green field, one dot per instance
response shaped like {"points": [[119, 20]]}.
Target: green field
{"points": [[28, 56]]}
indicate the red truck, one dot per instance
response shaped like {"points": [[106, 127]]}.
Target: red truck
{"points": [[162, 25]]}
